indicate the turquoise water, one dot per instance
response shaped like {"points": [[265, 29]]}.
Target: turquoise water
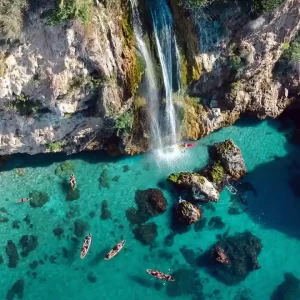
{"points": [[273, 215]]}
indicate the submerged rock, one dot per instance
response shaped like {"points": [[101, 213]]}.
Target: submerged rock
{"points": [[134, 217], [187, 282], [241, 250], [202, 189], [38, 199], [289, 289], [187, 212], [28, 244], [230, 157], [150, 202], [65, 169], [80, 227], [105, 213], [16, 290], [146, 233], [216, 223], [104, 179], [12, 253], [72, 194], [58, 232]]}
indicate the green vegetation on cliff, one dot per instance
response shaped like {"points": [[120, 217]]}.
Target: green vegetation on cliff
{"points": [[70, 9], [124, 123], [12, 18], [290, 58], [24, 105]]}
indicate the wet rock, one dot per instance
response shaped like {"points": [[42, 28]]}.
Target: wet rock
{"points": [[65, 169], [12, 253], [188, 213], [38, 199], [16, 290], [242, 251], [104, 179], [289, 289], [81, 227], [216, 223], [92, 277], [58, 232], [150, 202], [146, 233], [105, 213], [134, 217], [199, 186], [34, 264], [16, 224], [28, 243], [187, 282], [72, 194], [230, 157], [200, 224]]}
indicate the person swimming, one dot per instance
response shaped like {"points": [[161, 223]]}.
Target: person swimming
{"points": [[73, 181]]}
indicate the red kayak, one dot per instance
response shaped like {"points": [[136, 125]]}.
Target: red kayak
{"points": [[113, 252], [86, 246], [189, 145], [160, 275]]}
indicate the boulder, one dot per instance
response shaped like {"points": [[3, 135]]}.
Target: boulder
{"points": [[146, 233], [230, 157], [202, 189], [240, 252], [151, 202], [187, 213]]}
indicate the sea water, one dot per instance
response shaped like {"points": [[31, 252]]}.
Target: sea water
{"points": [[273, 215]]}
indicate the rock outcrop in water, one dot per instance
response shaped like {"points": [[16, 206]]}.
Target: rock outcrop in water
{"points": [[199, 186], [289, 289], [241, 252], [187, 213]]}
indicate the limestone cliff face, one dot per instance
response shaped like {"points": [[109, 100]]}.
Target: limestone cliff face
{"points": [[61, 85]]}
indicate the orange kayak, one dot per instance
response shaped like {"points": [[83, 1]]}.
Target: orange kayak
{"points": [[115, 250], [160, 275], [86, 246]]}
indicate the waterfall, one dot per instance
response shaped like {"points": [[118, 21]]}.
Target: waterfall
{"points": [[168, 54], [151, 83]]}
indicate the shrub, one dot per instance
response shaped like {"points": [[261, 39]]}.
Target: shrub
{"points": [[124, 123], [11, 18], [54, 147], [69, 10], [24, 105], [139, 102]]}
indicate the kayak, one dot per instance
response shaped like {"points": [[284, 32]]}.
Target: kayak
{"points": [[115, 250], [86, 246], [182, 146], [160, 275], [23, 200]]}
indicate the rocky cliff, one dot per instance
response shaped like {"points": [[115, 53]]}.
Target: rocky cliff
{"points": [[70, 81]]}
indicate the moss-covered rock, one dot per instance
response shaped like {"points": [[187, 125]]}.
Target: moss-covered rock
{"points": [[215, 173], [65, 169], [202, 189], [230, 157], [38, 199]]}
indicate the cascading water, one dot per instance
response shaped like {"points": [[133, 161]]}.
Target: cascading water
{"points": [[168, 54], [151, 83]]}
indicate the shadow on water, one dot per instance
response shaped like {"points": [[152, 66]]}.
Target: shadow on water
{"points": [[47, 159], [99, 257], [141, 281], [277, 203]]}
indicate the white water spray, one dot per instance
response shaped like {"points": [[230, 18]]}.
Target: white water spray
{"points": [[151, 83]]}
